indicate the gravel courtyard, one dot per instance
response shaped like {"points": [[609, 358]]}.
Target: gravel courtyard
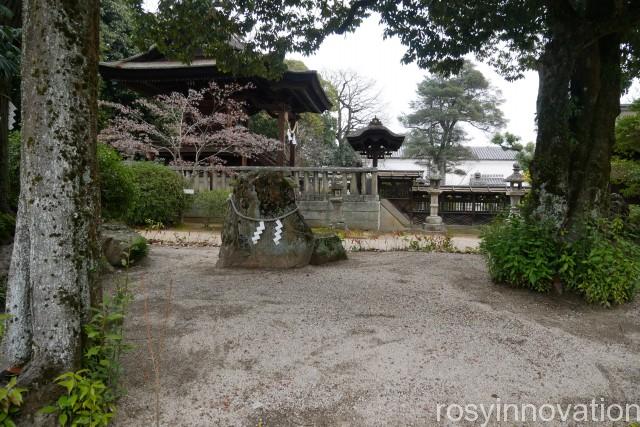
{"points": [[378, 340]]}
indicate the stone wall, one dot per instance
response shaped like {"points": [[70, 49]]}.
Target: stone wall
{"points": [[355, 213]]}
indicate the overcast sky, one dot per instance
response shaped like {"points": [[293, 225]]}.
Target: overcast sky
{"points": [[366, 52]]}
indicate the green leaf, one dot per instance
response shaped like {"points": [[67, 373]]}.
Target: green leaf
{"points": [[48, 410], [68, 384], [93, 351], [62, 419]]}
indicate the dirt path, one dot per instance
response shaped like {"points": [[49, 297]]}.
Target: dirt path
{"points": [[378, 340]]}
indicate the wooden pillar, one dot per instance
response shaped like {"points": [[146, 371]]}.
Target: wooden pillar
{"points": [[282, 135], [292, 147], [244, 161]]}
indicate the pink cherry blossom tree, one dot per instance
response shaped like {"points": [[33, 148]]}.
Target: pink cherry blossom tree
{"points": [[204, 123]]}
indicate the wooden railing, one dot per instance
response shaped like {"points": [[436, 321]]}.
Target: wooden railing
{"points": [[312, 183]]}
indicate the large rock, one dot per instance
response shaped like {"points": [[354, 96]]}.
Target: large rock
{"points": [[326, 249], [263, 196], [121, 244]]}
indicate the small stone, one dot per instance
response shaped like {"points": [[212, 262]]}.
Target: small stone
{"points": [[327, 249], [120, 243]]}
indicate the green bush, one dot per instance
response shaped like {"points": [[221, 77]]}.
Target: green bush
{"points": [[7, 227], [117, 189], [603, 265], [520, 253], [159, 195], [607, 264], [212, 204]]}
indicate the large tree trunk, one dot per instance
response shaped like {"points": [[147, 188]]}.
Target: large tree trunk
{"points": [[55, 247], [578, 102]]}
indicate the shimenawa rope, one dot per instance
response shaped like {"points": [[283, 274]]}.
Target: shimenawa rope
{"points": [[241, 215]]}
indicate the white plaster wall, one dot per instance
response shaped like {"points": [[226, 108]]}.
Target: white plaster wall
{"points": [[470, 167]]}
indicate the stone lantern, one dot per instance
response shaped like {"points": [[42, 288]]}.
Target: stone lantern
{"points": [[434, 180], [515, 190], [434, 221]]}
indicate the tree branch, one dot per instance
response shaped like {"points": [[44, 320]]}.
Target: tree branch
{"points": [[357, 7]]}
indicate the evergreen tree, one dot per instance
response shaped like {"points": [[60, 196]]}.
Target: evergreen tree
{"points": [[442, 106]]}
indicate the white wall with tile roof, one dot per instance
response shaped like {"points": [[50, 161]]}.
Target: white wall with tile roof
{"points": [[466, 168]]}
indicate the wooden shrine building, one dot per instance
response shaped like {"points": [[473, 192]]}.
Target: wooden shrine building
{"points": [[375, 141], [152, 73]]}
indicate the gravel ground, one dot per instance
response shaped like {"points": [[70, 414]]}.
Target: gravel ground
{"points": [[378, 340]]}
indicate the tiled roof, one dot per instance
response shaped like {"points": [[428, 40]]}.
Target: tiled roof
{"points": [[476, 153], [492, 153], [486, 180]]}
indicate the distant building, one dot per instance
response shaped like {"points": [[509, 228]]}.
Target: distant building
{"points": [[472, 193], [492, 163]]}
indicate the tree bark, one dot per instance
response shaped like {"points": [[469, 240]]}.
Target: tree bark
{"points": [[578, 102], [550, 166], [55, 248]]}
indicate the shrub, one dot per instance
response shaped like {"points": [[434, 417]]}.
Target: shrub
{"points": [[138, 250], [159, 195], [117, 189], [607, 265], [603, 265], [520, 253], [213, 204]]}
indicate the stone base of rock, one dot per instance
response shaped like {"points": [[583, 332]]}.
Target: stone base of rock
{"points": [[251, 236], [120, 244], [327, 249]]}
